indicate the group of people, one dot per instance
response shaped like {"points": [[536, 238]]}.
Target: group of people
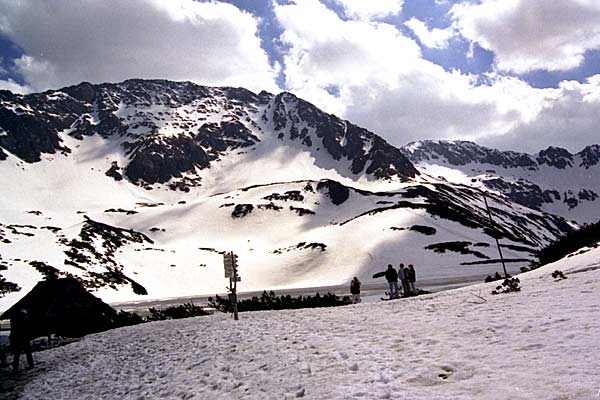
{"points": [[407, 277]]}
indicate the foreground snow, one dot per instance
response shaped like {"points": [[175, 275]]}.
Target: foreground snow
{"points": [[539, 343]]}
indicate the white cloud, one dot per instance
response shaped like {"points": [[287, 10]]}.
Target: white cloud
{"points": [[14, 87], [369, 9], [528, 35], [569, 118], [433, 38], [67, 42], [324, 51], [382, 82]]}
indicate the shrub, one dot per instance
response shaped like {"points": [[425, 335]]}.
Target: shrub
{"points": [[125, 318], [508, 286], [558, 275], [270, 301], [186, 310]]}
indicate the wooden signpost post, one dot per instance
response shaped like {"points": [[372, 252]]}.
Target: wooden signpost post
{"points": [[230, 262]]}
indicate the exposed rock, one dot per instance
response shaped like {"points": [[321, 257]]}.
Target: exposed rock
{"points": [[458, 247], [555, 157], [590, 156], [113, 172], [301, 211], [337, 192], [241, 210], [292, 195], [426, 230]]}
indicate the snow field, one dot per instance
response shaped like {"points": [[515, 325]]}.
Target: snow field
{"points": [[538, 343]]}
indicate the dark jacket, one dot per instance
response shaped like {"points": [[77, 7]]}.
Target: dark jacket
{"points": [[355, 287], [412, 275], [391, 275], [20, 329]]}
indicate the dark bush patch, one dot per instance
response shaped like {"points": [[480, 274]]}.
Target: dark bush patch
{"points": [[292, 195], [186, 310], [120, 210], [241, 210], [425, 230], [269, 301], [301, 211], [510, 285], [558, 275], [458, 247], [302, 246], [269, 206]]}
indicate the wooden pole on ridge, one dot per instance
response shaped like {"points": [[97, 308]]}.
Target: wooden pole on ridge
{"points": [[497, 242]]}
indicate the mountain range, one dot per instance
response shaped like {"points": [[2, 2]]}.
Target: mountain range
{"points": [[138, 188], [553, 180]]}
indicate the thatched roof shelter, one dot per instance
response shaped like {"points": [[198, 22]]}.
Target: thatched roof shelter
{"points": [[64, 307]]}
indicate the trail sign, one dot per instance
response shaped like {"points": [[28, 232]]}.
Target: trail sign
{"points": [[230, 263]]}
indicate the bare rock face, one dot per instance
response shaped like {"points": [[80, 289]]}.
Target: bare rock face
{"points": [[28, 132], [555, 157], [113, 172], [337, 192], [590, 156], [296, 119]]}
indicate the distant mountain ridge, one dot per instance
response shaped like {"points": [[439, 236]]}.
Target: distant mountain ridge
{"points": [[553, 180]]}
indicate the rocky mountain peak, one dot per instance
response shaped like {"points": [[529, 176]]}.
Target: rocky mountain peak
{"points": [[170, 129], [368, 152], [590, 156], [555, 157]]}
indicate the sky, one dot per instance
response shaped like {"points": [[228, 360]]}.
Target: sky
{"points": [[511, 74]]}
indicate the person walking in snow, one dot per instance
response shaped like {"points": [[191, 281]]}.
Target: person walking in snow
{"points": [[20, 336], [392, 278], [412, 278], [355, 290], [403, 275]]}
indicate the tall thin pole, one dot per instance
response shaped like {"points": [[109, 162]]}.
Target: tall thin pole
{"points": [[497, 242], [234, 288]]}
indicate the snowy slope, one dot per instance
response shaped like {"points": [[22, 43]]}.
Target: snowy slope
{"points": [[138, 188], [461, 344], [553, 180]]}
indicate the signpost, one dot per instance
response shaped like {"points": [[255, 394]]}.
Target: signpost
{"points": [[230, 263]]}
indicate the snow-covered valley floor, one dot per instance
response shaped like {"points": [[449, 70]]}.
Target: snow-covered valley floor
{"points": [[540, 343]]}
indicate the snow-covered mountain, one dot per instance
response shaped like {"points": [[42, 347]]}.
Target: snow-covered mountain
{"points": [[553, 180], [138, 188]]}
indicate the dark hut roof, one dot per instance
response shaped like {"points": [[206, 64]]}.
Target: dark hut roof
{"points": [[64, 307]]}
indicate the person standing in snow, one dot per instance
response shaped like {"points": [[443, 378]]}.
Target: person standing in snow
{"points": [[412, 278], [20, 336], [355, 290], [402, 274], [392, 277]]}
